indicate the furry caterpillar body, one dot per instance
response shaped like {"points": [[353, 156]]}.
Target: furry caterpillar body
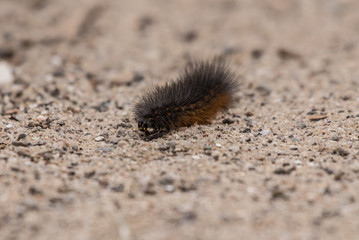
{"points": [[195, 97]]}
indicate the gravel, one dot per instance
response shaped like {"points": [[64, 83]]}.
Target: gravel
{"points": [[280, 163]]}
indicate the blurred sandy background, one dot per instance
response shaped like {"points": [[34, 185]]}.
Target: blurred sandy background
{"points": [[283, 163]]}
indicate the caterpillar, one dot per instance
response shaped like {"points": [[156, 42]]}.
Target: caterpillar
{"points": [[195, 97]]}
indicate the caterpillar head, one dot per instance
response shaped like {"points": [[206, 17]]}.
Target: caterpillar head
{"points": [[146, 126], [150, 128], [143, 127]]}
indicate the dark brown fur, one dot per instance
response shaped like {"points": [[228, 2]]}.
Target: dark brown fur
{"points": [[196, 97]]}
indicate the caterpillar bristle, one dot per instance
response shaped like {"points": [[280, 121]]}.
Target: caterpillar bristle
{"points": [[204, 89]]}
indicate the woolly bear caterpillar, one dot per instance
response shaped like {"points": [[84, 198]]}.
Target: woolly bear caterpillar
{"points": [[196, 97]]}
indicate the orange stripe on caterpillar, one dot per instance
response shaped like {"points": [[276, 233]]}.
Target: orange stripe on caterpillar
{"points": [[205, 114]]}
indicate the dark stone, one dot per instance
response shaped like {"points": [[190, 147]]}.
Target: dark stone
{"points": [[227, 121], [20, 144], [21, 136], [6, 53], [103, 107], [341, 152], [257, 53], [118, 188]]}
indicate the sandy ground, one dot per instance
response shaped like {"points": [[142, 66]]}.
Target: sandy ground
{"points": [[282, 163]]}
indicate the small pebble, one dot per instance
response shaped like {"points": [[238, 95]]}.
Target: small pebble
{"points": [[265, 132], [164, 147], [106, 149], [196, 157], [234, 149], [57, 60], [317, 117], [263, 90], [335, 138], [216, 154], [41, 118], [118, 188], [301, 125], [208, 152], [227, 121], [99, 139], [206, 147], [21, 136], [6, 53], [257, 53], [58, 73], [340, 151], [166, 181], [20, 144], [169, 188], [6, 75], [11, 112], [172, 144], [249, 114]]}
